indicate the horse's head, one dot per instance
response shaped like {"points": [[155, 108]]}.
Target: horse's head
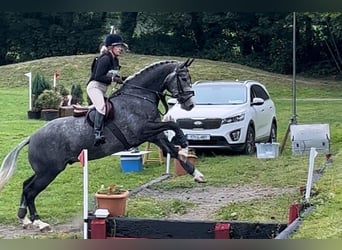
{"points": [[179, 84]]}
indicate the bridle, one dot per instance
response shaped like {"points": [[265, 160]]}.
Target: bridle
{"points": [[182, 96]]}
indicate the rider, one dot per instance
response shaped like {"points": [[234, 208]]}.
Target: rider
{"points": [[104, 72]]}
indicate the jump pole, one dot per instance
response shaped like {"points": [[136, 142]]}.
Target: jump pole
{"points": [[168, 156], [29, 75], [83, 158], [313, 154]]}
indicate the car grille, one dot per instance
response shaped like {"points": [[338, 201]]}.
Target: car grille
{"points": [[199, 123]]}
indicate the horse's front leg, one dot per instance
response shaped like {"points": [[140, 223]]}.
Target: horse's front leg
{"points": [[167, 147], [154, 128]]}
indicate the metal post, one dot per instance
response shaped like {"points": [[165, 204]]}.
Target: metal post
{"points": [[294, 112]]}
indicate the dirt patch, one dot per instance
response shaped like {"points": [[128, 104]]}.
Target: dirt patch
{"points": [[72, 229], [207, 200]]}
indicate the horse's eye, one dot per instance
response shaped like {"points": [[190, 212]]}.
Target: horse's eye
{"points": [[184, 79]]}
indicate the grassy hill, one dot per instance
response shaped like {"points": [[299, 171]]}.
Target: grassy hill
{"points": [[318, 101]]}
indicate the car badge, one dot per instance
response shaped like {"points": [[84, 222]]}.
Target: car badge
{"points": [[198, 123]]}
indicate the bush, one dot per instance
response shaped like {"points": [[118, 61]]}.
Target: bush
{"points": [[49, 99], [39, 84], [77, 94]]}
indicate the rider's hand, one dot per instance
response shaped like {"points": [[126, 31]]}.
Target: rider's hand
{"points": [[117, 79]]}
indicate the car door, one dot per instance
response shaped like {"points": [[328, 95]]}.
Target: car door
{"points": [[263, 112]]}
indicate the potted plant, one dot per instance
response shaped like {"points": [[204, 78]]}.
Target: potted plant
{"points": [[113, 198], [65, 109], [49, 102], [39, 84]]}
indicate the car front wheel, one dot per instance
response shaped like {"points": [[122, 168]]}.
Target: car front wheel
{"points": [[250, 141]]}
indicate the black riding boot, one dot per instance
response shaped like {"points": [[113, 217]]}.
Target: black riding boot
{"points": [[98, 127]]}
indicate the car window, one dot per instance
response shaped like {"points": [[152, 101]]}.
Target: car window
{"points": [[258, 91], [220, 94]]}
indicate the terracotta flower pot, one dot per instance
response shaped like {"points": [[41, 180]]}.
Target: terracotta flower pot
{"points": [[179, 170], [115, 203]]}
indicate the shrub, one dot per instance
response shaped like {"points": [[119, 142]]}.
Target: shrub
{"points": [[49, 99], [77, 94], [39, 84]]}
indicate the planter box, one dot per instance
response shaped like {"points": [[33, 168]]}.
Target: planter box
{"points": [[66, 111], [49, 114], [33, 114]]}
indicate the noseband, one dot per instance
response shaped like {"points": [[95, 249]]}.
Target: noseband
{"points": [[182, 96]]}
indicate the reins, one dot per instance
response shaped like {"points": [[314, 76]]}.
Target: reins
{"points": [[160, 96]]}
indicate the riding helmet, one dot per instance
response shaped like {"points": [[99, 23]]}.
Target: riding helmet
{"points": [[114, 39]]}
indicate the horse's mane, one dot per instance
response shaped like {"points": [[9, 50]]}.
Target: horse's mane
{"points": [[150, 67]]}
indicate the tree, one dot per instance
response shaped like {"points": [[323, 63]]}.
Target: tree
{"points": [[128, 24]]}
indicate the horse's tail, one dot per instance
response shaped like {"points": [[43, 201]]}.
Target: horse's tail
{"points": [[9, 163]]}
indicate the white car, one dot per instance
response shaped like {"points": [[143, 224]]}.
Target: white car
{"points": [[232, 115]]}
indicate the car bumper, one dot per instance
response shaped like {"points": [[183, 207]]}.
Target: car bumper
{"points": [[218, 138], [216, 142]]}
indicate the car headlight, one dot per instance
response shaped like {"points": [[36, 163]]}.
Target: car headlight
{"points": [[236, 118]]}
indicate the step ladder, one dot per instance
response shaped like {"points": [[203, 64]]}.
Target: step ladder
{"points": [[152, 147]]}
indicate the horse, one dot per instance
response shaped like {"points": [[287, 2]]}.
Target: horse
{"points": [[135, 119]]}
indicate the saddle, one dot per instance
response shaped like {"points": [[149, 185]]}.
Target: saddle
{"points": [[80, 111]]}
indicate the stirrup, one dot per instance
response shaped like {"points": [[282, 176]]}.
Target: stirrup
{"points": [[99, 139]]}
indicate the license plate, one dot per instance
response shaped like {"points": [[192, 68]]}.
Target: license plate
{"points": [[198, 137]]}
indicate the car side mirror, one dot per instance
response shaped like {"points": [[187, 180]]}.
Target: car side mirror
{"points": [[258, 101]]}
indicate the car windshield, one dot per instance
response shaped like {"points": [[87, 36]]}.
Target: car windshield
{"points": [[220, 94]]}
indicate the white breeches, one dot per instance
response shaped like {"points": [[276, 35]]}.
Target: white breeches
{"points": [[96, 92]]}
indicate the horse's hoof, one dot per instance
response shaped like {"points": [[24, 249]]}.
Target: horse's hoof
{"points": [[27, 223], [200, 179], [43, 227]]}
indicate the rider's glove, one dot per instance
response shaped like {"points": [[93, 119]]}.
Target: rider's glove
{"points": [[117, 79]]}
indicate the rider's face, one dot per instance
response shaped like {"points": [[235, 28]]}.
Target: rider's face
{"points": [[117, 49]]}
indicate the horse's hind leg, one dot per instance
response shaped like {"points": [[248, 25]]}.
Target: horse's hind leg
{"points": [[36, 185], [22, 211]]}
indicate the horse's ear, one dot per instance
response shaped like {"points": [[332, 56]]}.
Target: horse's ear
{"points": [[189, 62], [184, 64]]}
